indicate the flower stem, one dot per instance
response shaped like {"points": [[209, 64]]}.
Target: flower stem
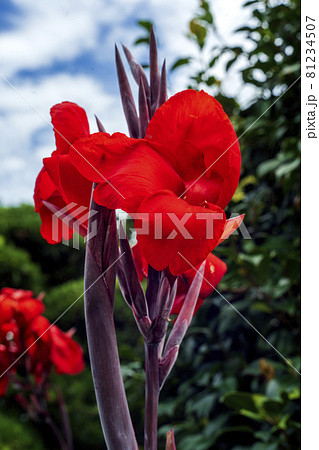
{"points": [[58, 434], [65, 420], [106, 371], [151, 395]]}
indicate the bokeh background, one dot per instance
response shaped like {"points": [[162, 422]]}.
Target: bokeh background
{"points": [[229, 388]]}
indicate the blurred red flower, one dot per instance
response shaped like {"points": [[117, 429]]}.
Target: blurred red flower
{"points": [[59, 183], [28, 339]]}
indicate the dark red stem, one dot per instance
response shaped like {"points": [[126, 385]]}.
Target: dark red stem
{"points": [[151, 395]]}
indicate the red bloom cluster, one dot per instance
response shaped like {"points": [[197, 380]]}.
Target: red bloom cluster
{"points": [[187, 168], [25, 332]]}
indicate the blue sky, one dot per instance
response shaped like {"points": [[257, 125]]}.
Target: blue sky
{"points": [[51, 51]]}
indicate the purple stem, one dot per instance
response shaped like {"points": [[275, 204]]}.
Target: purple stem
{"points": [[99, 287], [105, 364], [65, 420], [58, 435], [151, 396]]}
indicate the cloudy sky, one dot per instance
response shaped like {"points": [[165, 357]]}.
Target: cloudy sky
{"points": [[51, 51]]}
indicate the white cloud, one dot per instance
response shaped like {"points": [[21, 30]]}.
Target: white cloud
{"points": [[48, 32], [26, 133]]}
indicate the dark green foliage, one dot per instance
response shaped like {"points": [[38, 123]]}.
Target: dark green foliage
{"points": [[20, 226], [17, 270], [12, 429]]}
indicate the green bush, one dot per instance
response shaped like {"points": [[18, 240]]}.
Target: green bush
{"points": [[20, 226], [17, 270], [11, 431]]}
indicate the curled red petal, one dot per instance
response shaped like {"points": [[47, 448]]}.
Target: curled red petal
{"points": [[70, 123], [45, 189], [127, 170], [175, 234], [193, 133]]}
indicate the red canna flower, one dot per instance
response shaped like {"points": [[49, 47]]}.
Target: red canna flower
{"points": [[59, 183], [24, 331], [187, 166]]}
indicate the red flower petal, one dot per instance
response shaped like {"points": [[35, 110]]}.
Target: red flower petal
{"points": [[6, 309], [140, 262], [16, 294], [59, 183], [66, 354], [70, 123], [72, 186], [45, 189], [75, 187], [193, 133], [187, 241], [38, 341], [131, 167], [215, 269], [28, 309], [19, 304]]}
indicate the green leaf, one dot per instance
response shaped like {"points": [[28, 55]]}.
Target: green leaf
{"points": [[239, 401], [199, 31], [142, 40], [273, 408], [214, 60], [230, 63], [211, 80], [267, 166], [147, 24], [285, 169], [180, 62]]}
